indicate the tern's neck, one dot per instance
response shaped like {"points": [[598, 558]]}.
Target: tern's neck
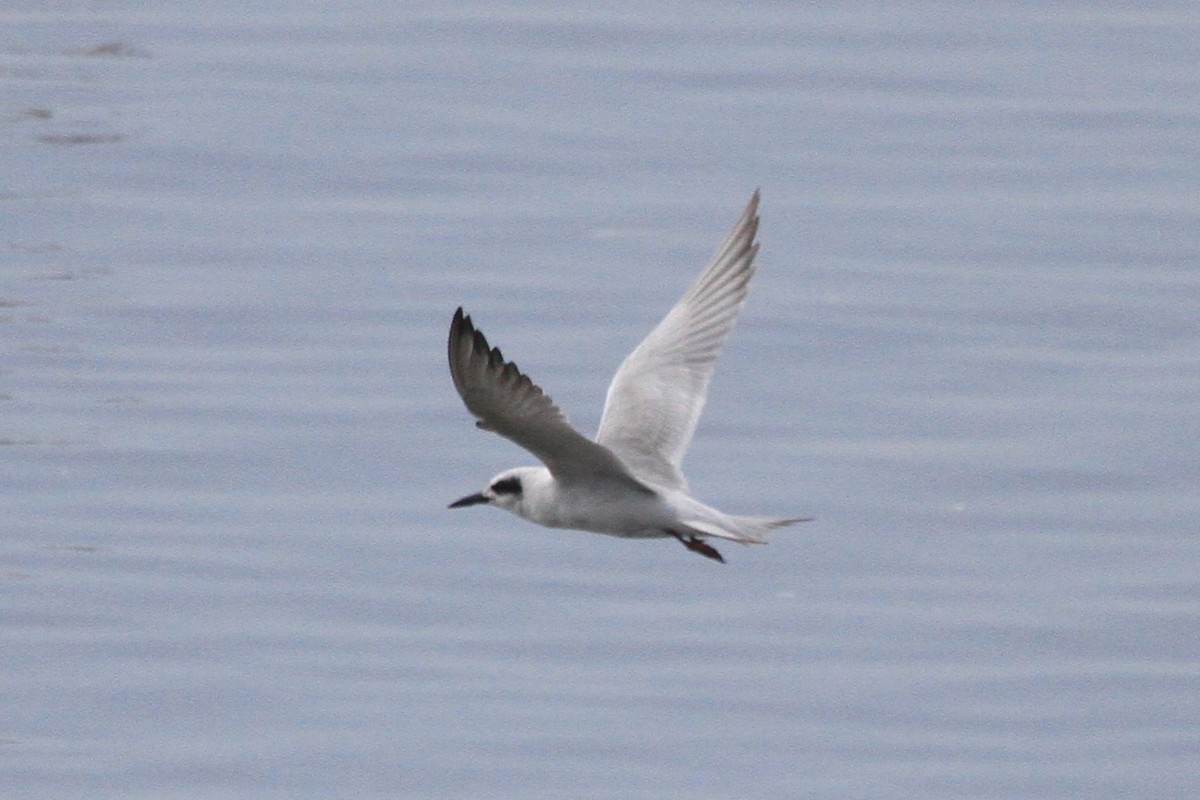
{"points": [[539, 497]]}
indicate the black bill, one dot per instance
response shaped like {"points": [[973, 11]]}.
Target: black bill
{"points": [[469, 500]]}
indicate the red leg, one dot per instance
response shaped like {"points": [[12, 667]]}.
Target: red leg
{"points": [[698, 545]]}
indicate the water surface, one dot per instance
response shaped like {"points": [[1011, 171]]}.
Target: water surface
{"points": [[233, 242]]}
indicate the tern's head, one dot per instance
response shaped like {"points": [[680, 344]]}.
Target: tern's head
{"points": [[506, 490]]}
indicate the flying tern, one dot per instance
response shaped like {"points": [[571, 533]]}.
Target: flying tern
{"points": [[628, 482]]}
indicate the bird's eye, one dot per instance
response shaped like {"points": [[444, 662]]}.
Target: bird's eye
{"points": [[507, 486]]}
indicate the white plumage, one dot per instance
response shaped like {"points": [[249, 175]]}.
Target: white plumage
{"points": [[629, 481]]}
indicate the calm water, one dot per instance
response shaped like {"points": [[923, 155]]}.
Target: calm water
{"points": [[233, 238]]}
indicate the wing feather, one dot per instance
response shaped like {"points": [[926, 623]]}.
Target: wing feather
{"points": [[507, 402], [657, 395]]}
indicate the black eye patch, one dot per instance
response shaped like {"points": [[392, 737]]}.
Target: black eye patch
{"points": [[507, 486]]}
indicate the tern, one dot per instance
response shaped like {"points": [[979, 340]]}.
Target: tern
{"points": [[628, 482]]}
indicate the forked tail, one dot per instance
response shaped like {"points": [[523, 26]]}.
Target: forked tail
{"points": [[746, 530]]}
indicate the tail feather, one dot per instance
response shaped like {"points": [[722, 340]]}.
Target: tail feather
{"points": [[745, 530]]}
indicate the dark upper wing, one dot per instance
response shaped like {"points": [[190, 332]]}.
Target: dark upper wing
{"points": [[507, 402]]}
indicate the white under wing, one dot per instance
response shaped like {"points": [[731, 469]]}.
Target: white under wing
{"points": [[658, 393]]}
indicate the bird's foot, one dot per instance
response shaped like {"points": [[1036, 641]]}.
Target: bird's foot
{"points": [[698, 545]]}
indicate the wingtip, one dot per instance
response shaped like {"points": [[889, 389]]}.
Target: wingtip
{"points": [[461, 320], [461, 327], [749, 218], [461, 330]]}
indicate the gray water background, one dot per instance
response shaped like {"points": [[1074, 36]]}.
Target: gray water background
{"points": [[233, 238]]}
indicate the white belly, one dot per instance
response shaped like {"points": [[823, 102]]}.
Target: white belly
{"points": [[613, 510]]}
